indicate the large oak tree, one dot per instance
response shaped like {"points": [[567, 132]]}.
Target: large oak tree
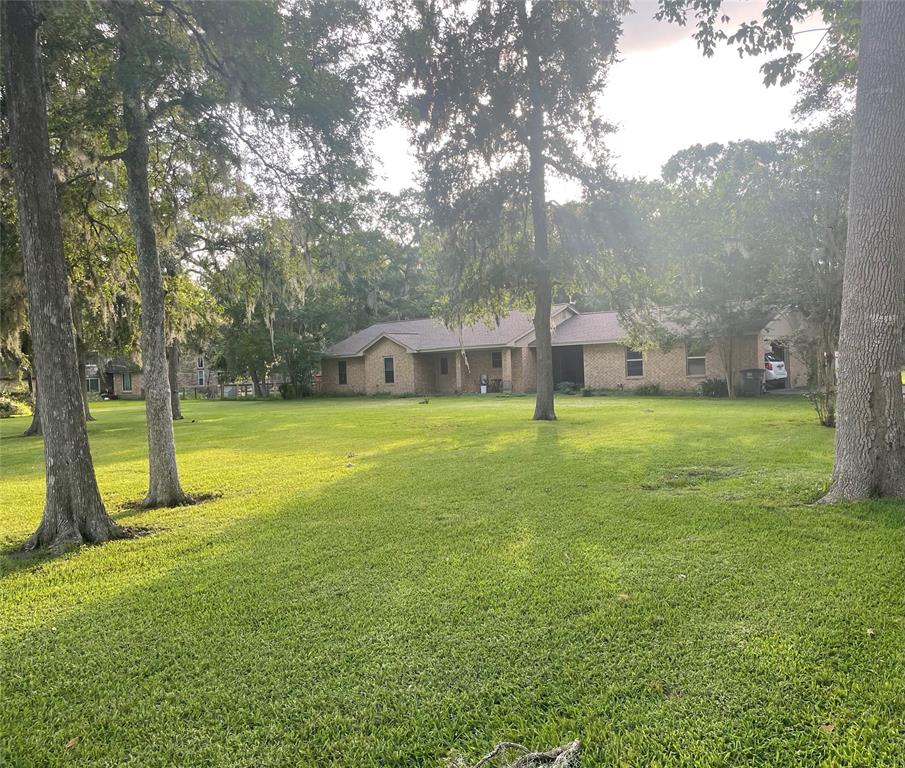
{"points": [[497, 95], [73, 510], [870, 433]]}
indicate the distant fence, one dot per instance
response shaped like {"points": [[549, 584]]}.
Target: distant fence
{"points": [[228, 391]]}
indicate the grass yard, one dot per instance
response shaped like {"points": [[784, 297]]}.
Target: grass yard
{"points": [[386, 583]]}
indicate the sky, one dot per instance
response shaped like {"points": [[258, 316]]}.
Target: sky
{"points": [[663, 95]]}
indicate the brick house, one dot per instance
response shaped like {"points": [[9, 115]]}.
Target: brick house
{"points": [[121, 378], [124, 378], [195, 371], [423, 356]]}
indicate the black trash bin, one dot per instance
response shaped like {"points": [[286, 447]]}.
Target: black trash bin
{"points": [[752, 381]]}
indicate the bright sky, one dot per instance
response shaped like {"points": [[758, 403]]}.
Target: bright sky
{"points": [[663, 95]]}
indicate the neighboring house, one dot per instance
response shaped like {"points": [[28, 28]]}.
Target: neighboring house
{"points": [[125, 380], [423, 356], [115, 377], [195, 372]]}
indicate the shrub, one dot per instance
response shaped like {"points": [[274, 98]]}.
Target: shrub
{"points": [[648, 390], [567, 388], [586, 392], [714, 388], [825, 405], [290, 391], [10, 405]]}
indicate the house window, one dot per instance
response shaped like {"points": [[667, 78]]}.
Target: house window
{"points": [[634, 362], [201, 377], [127, 382], [93, 384], [695, 360], [389, 372], [200, 362], [343, 373], [496, 359], [444, 366]]}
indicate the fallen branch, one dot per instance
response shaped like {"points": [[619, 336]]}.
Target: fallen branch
{"points": [[566, 756]]}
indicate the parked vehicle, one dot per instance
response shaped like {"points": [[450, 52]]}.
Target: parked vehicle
{"points": [[775, 371]]}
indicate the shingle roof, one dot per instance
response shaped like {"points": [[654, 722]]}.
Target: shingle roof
{"points": [[588, 328], [430, 335], [118, 365]]}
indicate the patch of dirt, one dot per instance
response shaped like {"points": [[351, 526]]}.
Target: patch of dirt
{"points": [[690, 477], [137, 531]]}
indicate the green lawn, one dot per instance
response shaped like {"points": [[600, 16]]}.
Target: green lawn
{"points": [[387, 583]]}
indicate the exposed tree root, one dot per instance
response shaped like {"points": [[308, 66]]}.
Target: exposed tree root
{"points": [[152, 502], [188, 501], [35, 427], [38, 544], [67, 534], [566, 756]]}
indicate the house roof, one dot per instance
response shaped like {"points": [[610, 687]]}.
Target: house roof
{"points": [[430, 335], [118, 365], [516, 329], [589, 328]]}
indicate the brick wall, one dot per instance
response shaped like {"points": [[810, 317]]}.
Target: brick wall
{"points": [[137, 387], [425, 371], [518, 382], [444, 383], [355, 376], [604, 366], [403, 364], [479, 362], [187, 370], [528, 379]]}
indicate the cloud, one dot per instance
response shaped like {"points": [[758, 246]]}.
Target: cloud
{"points": [[642, 32]]}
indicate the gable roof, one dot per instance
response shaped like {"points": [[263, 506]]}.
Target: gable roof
{"points": [[430, 335], [589, 328]]}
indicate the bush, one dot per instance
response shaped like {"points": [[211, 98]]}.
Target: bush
{"points": [[290, 391], [567, 388], [825, 405], [714, 388], [10, 405], [648, 390]]}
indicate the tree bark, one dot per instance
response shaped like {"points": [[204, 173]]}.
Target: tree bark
{"points": [[73, 510], [173, 378], [870, 433], [256, 380], [35, 427], [727, 357], [543, 290], [164, 488]]}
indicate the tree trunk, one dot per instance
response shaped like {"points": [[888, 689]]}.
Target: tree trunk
{"points": [[543, 404], [164, 489], [73, 510], [35, 427], [543, 291], [83, 378], [173, 377], [256, 380], [870, 433]]}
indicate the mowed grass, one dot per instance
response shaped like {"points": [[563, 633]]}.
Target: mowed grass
{"points": [[388, 583]]}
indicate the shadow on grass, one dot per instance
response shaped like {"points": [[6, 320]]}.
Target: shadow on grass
{"points": [[413, 607], [14, 559]]}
